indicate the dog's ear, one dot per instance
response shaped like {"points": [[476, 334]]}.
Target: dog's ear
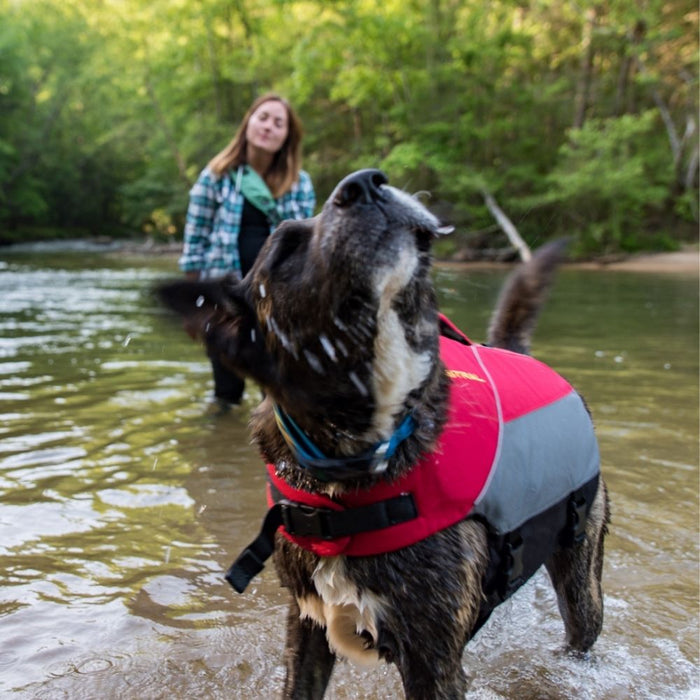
{"points": [[218, 313], [204, 305], [286, 250]]}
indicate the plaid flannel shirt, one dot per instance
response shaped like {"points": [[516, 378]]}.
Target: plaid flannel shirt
{"points": [[214, 221]]}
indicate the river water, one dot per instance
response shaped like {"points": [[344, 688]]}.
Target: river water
{"points": [[123, 497]]}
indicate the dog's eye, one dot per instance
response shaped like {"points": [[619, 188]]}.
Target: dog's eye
{"points": [[423, 239]]}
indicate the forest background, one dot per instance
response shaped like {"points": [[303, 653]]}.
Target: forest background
{"points": [[576, 118]]}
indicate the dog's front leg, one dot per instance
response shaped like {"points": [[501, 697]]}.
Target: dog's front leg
{"points": [[307, 656], [433, 676]]}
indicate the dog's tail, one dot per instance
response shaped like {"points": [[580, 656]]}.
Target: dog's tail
{"points": [[522, 298]]}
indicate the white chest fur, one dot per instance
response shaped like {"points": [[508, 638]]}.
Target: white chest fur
{"points": [[343, 611]]}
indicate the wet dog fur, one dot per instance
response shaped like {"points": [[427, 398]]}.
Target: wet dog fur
{"points": [[338, 322]]}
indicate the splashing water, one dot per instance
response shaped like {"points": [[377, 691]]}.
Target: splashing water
{"points": [[328, 348]]}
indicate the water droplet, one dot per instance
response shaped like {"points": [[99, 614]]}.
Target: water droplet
{"points": [[328, 347], [200, 301], [90, 666], [314, 362], [286, 343], [341, 346], [262, 290], [252, 335], [358, 384]]}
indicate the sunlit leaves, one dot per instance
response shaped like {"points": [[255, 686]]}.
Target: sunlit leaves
{"points": [[612, 171], [109, 108]]}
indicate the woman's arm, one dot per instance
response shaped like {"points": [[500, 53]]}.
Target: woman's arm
{"points": [[198, 225]]}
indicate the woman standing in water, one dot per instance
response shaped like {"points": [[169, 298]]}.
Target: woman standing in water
{"points": [[244, 192]]}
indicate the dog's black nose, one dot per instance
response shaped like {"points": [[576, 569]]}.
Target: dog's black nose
{"points": [[362, 186]]}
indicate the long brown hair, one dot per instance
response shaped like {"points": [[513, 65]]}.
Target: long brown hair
{"points": [[286, 163]]}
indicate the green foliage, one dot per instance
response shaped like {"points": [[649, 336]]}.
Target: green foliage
{"points": [[611, 173], [108, 111]]}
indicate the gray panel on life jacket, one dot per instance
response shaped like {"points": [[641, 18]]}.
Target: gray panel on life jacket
{"points": [[543, 457]]}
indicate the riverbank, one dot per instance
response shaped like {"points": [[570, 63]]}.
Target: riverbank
{"points": [[686, 260]]}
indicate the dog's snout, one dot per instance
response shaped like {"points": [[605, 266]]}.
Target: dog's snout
{"points": [[363, 186]]}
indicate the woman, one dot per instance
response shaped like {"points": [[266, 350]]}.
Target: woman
{"points": [[238, 200]]}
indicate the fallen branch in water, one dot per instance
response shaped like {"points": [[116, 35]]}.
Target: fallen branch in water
{"points": [[507, 226]]}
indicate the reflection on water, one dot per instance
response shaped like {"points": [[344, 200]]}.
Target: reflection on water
{"points": [[124, 499]]}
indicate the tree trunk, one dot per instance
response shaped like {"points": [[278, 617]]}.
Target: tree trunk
{"points": [[624, 97], [215, 73], [583, 89]]}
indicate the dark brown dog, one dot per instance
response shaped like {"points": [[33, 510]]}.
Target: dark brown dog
{"points": [[338, 322]]}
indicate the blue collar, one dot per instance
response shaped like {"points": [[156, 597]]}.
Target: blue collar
{"points": [[373, 461]]}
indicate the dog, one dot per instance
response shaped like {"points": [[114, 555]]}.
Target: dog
{"points": [[414, 476]]}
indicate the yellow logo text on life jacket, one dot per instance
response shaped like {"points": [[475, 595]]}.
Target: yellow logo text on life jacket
{"points": [[458, 374]]}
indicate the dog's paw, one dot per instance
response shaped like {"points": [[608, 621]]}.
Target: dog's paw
{"points": [[567, 652]]}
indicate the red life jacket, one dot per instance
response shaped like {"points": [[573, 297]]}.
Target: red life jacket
{"points": [[518, 441]]}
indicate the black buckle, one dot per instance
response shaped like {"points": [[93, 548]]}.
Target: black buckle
{"points": [[306, 521], [514, 554], [511, 565], [577, 518]]}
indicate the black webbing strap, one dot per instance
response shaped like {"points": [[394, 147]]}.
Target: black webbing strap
{"points": [[513, 566], [578, 505], [299, 519], [324, 523], [251, 561], [515, 556]]}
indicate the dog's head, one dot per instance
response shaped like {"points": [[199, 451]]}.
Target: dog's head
{"points": [[337, 320]]}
